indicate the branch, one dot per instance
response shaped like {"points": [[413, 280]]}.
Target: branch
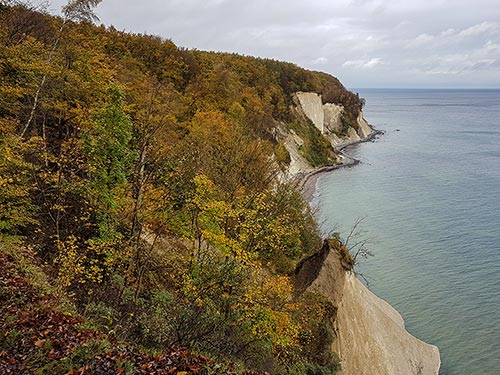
{"points": [[76, 10], [81, 10], [354, 231]]}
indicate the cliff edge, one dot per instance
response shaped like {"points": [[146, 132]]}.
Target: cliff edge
{"points": [[328, 121], [371, 337]]}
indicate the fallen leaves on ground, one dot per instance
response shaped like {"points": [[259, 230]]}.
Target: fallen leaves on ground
{"points": [[36, 337]]}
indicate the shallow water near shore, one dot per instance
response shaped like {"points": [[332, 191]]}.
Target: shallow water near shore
{"points": [[429, 193]]}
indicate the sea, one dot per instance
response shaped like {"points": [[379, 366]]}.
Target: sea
{"points": [[427, 195]]}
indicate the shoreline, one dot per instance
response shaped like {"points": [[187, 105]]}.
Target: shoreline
{"points": [[384, 326], [306, 181]]}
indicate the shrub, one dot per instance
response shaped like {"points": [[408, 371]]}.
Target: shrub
{"points": [[282, 156]]}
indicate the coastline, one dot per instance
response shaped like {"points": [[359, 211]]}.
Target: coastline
{"points": [[306, 181], [376, 342]]}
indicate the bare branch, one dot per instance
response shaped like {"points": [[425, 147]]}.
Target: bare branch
{"points": [[81, 10], [355, 231], [359, 249]]}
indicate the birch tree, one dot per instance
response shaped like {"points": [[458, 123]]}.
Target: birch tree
{"points": [[74, 10]]}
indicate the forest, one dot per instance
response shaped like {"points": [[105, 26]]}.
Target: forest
{"points": [[144, 225]]}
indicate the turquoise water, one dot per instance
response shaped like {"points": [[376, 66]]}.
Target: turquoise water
{"points": [[429, 193]]}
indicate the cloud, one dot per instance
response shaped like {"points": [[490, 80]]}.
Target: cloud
{"points": [[423, 39], [459, 65], [320, 61], [480, 29], [363, 64], [466, 55], [480, 60], [449, 36], [492, 47], [340, 36]]}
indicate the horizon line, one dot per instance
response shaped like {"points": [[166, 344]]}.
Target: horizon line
{"points": [[425, 88]]}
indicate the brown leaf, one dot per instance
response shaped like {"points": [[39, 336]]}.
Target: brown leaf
{"points": [[194, 368], [39, 343]]}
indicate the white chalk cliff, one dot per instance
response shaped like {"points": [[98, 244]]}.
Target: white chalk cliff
{"points": [[327, 118], [371, 337], [312, 106], [292, 142]]}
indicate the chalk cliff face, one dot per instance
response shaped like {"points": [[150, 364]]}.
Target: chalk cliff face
{"points": [[327, 118], [332, 113], [364, 129], [292, 142], [312, 106], [371, 337]]}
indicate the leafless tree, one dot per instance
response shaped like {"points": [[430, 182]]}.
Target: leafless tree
{"points": [[357, 244]]}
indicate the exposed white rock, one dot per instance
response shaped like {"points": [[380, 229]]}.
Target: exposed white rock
{"points": [[335, 140], [328, 119], [364, 129], [312, 106], [371, 336], [352, 135], [372, 339], [332, 117], [292, 142]]}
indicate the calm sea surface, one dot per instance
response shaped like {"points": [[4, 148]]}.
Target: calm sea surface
{"points": [[429, 193]]}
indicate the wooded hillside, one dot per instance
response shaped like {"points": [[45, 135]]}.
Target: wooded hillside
{"points": [[141, 177]]}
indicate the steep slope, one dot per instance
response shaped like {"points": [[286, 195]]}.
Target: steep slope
{"points": [[40, 333], [333, 130], [371, 337], [105, 136], [330, 119]]}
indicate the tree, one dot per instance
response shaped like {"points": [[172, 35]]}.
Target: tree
{"points": [[357, 243], [74, 10], [110, 158], [155, 132], [81, 10], [16, 207]]}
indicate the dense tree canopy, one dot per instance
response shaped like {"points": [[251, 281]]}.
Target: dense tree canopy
{"points": [[145, 177]]}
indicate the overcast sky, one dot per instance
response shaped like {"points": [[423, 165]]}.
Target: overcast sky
{"points": [[365, 43]]}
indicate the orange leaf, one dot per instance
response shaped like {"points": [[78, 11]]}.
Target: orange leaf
{"points": [[39, 343]]}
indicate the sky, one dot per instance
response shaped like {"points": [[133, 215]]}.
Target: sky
{"points": [[365, 43]]}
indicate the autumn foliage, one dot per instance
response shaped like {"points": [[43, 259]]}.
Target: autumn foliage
{"points": [[143, 179]]}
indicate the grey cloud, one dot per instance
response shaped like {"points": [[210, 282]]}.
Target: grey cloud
{"points": [[480, 29], [365, 43], [364, 64]]}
